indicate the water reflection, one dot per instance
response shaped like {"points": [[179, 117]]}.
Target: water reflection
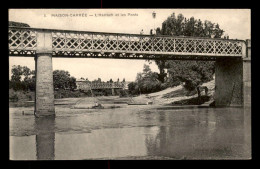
{"points": [[205, 135], [101, 144], [247, 131], [45, 138], [223, 133]]}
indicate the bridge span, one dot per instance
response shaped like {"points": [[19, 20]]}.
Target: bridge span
{"points": [[233, 57], [86, 86], [67, 43]]}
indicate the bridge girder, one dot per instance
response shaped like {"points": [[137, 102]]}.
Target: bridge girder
{"points": [[82, 44]]}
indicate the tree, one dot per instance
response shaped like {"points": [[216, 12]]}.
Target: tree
{"points": [[17, 72], [132, 88], [72, 83], [30, 81], [62, 80], [146, 82], [18, 24], [161, 66], [97, 81], [192, 73], [22, 78]]}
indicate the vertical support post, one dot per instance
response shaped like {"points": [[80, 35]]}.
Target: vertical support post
{"points": [[35, 59], [246, 48], [247, 73], [44, 100], [233, 79], [129, 43], [113, 92], [113, 89]]}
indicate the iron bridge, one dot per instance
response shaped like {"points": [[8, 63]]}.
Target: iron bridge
{"points": [[67, 43], [100, 85]]}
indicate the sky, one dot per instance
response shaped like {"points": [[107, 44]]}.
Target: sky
{"points": [[235, 22]]}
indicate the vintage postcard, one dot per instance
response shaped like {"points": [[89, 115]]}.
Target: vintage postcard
{"points": [[130, 84]]}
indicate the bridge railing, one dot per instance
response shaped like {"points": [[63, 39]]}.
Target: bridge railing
{"points": [[82, 43]]}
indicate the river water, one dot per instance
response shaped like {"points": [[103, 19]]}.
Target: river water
{"points": [[131, 132]]}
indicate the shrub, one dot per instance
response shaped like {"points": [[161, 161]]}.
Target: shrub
{"points": [[123, 93], [14, 98]]}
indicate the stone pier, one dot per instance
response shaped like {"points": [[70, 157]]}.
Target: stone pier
{"points": [[247, 76], [228, 82], [233, 79], [44, 100]]}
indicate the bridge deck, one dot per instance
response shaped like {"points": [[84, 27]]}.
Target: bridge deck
{"points": [[66, 43]]}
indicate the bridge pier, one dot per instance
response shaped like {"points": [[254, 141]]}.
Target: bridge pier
{"points": [[247, 76], [233, 79], [44, 93], [228, 82], [113, 92]]}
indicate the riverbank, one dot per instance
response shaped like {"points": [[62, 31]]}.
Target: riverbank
{"points": [[176, 96]]}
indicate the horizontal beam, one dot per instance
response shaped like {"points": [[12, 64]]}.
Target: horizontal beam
{"points": [[109, 33]]}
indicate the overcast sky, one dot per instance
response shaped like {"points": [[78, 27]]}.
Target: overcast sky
{"points": [[235, 22]]}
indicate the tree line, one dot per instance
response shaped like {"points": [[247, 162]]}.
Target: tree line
{"points": [[22, 78]]}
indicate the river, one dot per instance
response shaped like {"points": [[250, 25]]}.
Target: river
{"points": [[131, 132]]}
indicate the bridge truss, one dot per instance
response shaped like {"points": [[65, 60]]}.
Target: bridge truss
{"points": [[102, 85], [66, 43]]}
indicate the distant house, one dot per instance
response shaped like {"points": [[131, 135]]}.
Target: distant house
{"points": [[82, 85]]}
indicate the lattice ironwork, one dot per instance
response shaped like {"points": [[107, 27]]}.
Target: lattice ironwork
{"points": [[103, 85], [23, 41]]}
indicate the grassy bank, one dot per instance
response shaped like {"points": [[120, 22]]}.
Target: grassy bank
{"points": [[20, 98]]}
